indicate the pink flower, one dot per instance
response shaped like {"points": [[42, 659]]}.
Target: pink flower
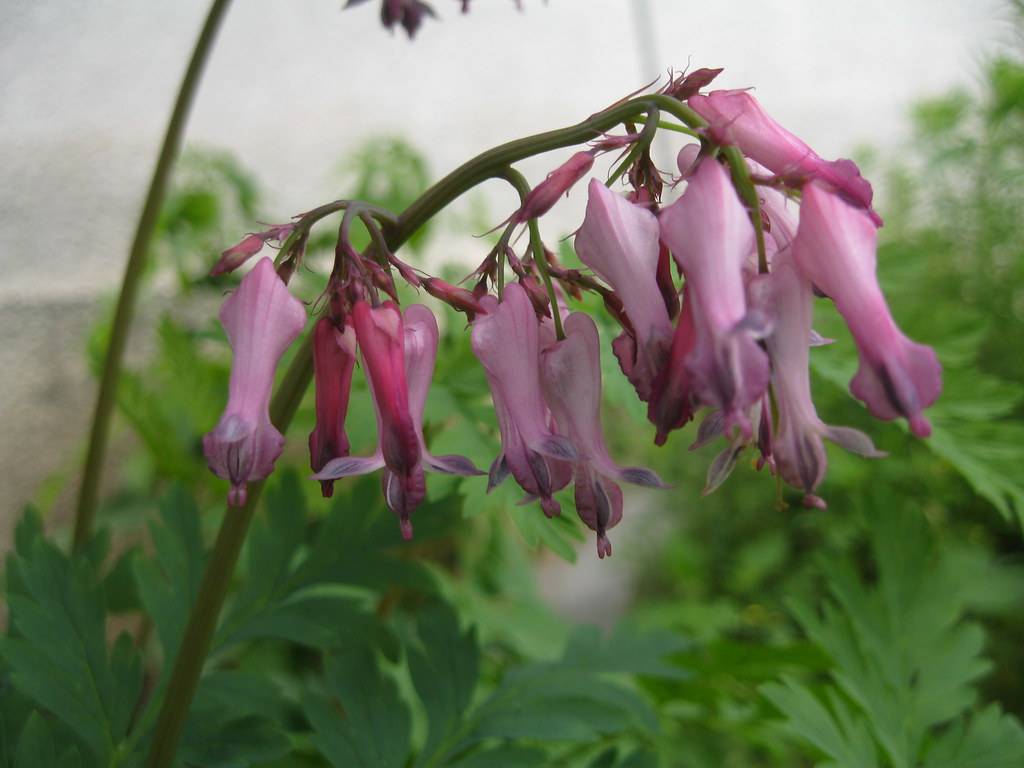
{"points": [[261, 319], [835, 250], [543, 197], [710, 235], [506, 341], [671, 404], [797, 446], [334, 358], [399, 360], [619, 241], [571, 381], [736, 117]]}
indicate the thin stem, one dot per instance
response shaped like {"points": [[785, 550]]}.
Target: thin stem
{"points": [[639, 146], [203, 619], [745, 188], [669, 126], [540, 258], [106, 399]]}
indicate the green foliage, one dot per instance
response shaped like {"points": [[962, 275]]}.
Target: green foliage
{"points": [[369, 726], [562, 705], [904, 663], [56, 649]]}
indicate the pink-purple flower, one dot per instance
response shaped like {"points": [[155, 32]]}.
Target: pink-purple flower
{"points": [[736, 117], [334, 358], [261, 320], [710, 235], [619, 241], [797, 446], [571, 381], [835, 249], [398, 356], [506, 341]]}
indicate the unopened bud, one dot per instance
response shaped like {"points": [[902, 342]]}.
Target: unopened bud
{"points": [[452, 295], [544, 196]]}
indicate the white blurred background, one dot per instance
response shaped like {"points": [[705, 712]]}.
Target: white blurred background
{"points": [[86, 89]]}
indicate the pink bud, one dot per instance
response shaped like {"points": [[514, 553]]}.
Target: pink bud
{"points": [[261, 319], [334, 358], [452, 295], [250, 245], [542, 198]]}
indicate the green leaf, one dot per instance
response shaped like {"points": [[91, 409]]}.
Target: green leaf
{"points": [[991, 740], [120, 591], [57, 650], [626, 649], [363, 723], [35, 746], [843, 737], [169, 583], [505, 756], [559, 703], [904, 662], [444, 666], [248, 741]]}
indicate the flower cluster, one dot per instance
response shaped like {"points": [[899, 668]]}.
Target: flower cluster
{"points": [[730, 333]]}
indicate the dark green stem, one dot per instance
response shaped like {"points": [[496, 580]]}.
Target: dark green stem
{"points": [[106, 399], [202, 621]]}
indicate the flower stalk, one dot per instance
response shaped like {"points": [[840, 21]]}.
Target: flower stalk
{"points": [[106, 398]]}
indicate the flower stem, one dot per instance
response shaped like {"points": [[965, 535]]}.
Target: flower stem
{"points": [[106, 399], [202, 621]]}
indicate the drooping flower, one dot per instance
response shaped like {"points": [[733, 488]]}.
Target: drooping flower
{"points": [[710, 235], [506, 341], [736, 117], [408, 13], [835, 249], [261, 320], [571, 381], [797, 445], [399, 358], [334, 358], [671, 404], [619, 241], [421, 341]]}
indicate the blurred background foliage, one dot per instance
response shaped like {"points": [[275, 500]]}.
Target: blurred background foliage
{"points": [[885, 631]]}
